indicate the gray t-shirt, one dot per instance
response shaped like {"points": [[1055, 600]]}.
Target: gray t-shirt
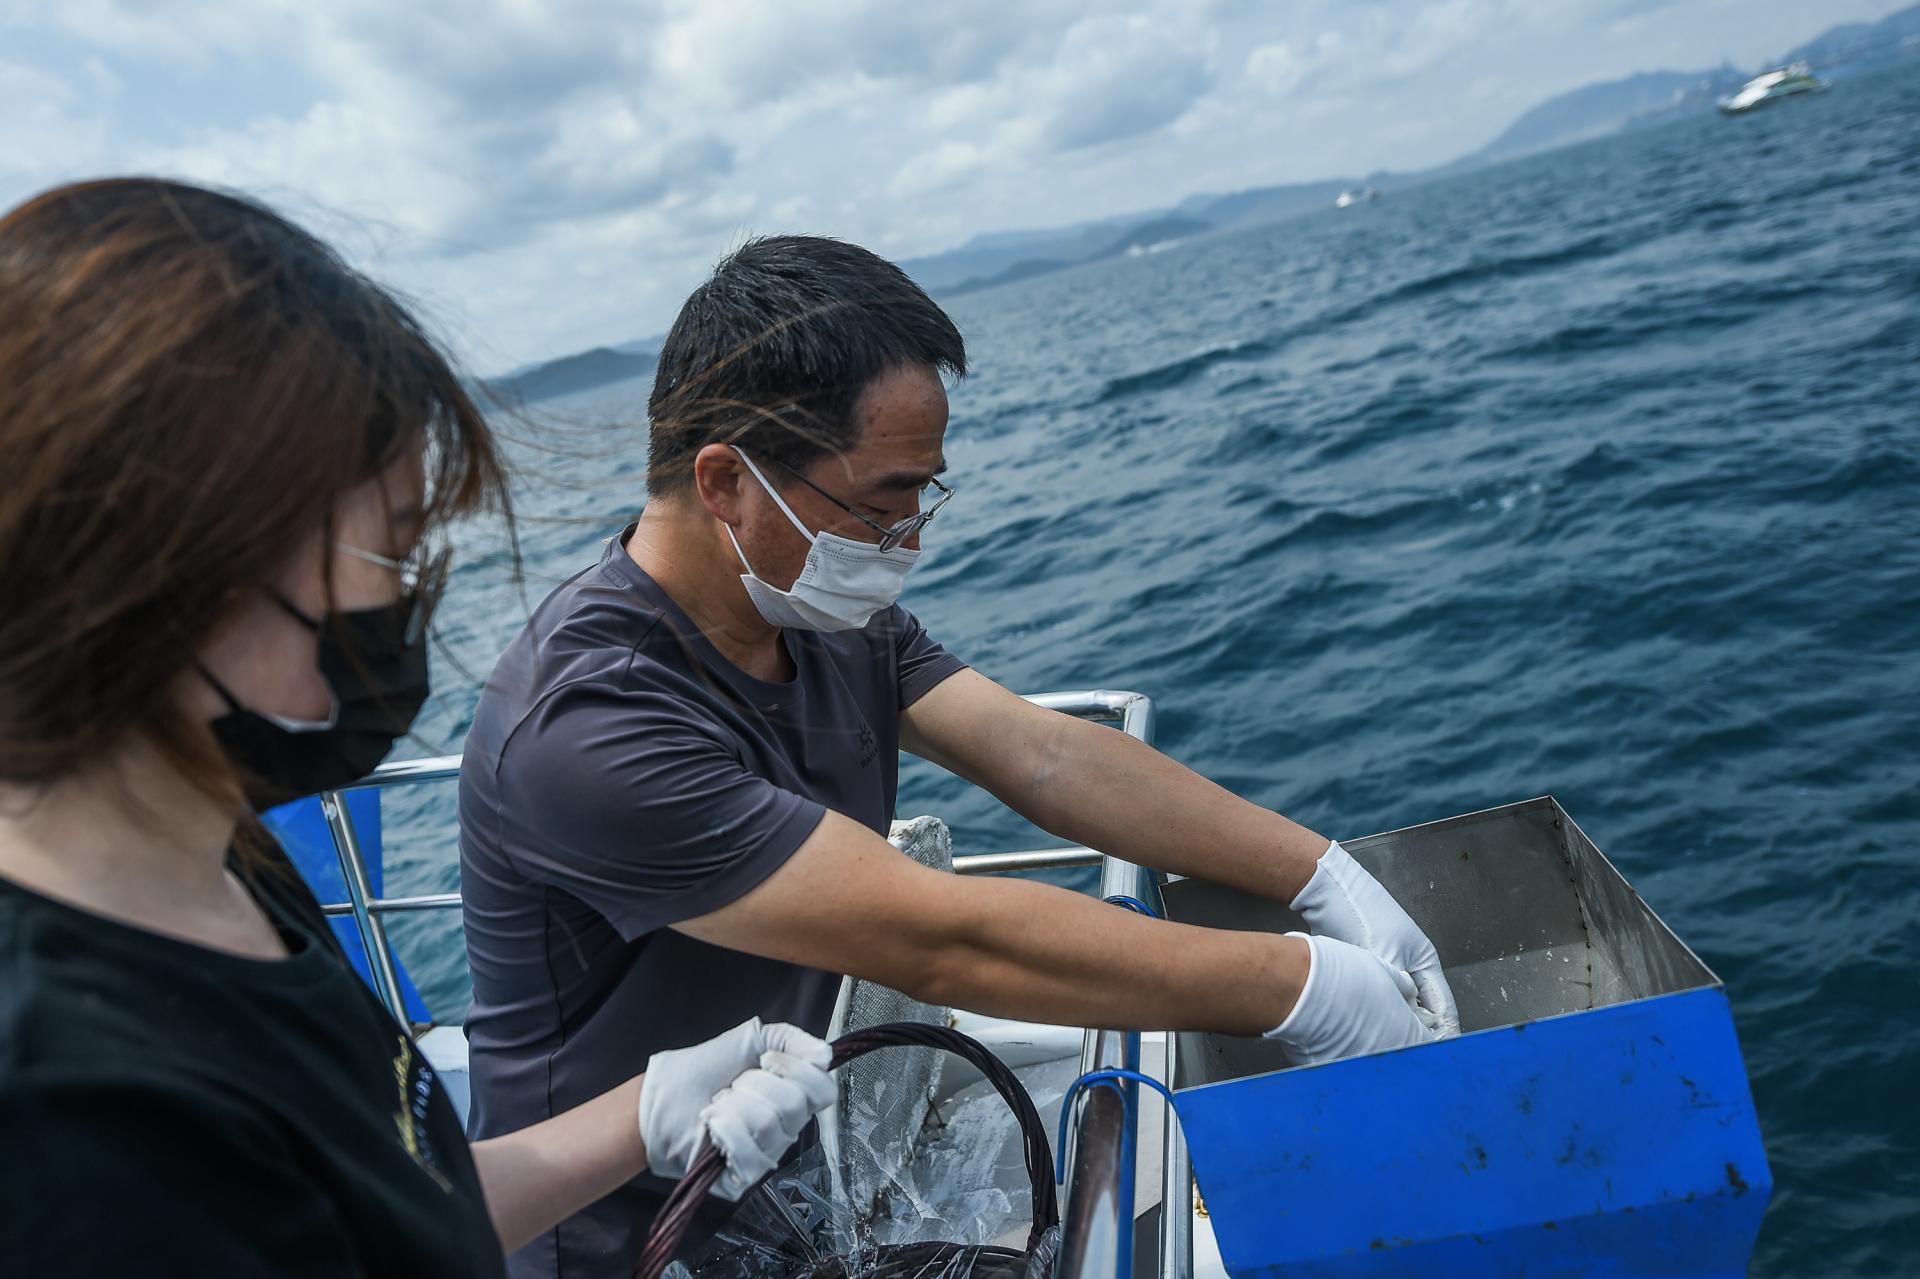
{"points": [[621, 776]]}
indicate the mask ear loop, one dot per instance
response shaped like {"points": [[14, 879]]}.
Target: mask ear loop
{"points": [[233, 708], [742, 554], [779, 501], [290, 725], [226, 694], [293, 610], [233, 703], [784, 509]]}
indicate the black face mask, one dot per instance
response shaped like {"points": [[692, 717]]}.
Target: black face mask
{"points": [[379, 682]]}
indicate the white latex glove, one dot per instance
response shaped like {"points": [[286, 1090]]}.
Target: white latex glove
{"points": [[751, 1090], [1344, 902], [1352, 1003]]}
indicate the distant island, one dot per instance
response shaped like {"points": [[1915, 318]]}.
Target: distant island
{"points": [[1004, 257], [1154, 234], [571, 373]]}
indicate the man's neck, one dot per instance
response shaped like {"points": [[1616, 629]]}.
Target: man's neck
{"points": [[693, 562]]}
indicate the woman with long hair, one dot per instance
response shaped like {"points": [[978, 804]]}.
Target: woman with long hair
{"points": [[224, 457]]}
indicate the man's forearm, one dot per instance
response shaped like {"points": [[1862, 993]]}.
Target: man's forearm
{"points": [[1030, 951], [1115, 793], [847, 902]]}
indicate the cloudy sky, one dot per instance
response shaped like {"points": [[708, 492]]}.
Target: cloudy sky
{"points": [[546, 175]]}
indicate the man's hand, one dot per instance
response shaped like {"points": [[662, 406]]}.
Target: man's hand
{"points": [[750, 1090], [1344, 902], [1353, 1003]]}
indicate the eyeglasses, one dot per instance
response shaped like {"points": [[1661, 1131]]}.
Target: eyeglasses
{"points": [[423, 579], [889, 537]]}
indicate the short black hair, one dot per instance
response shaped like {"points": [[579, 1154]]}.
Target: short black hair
{"points": [[774, 350]]}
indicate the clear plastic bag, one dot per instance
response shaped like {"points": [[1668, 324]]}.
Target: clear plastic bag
{"points": [[960, 1206]]}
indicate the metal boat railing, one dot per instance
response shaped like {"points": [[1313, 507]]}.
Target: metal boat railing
{"points": [[1097, 1222]]}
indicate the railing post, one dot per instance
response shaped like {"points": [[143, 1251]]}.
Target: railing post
{"points": [[1096, 1220], [373, 932], [1096, 1239], [1176, 1185]]}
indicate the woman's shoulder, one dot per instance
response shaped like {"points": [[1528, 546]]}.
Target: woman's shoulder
{"points": [[61, 988], [86, 994]]}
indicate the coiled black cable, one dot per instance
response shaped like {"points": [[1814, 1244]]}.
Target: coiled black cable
{"points": [[670, 1227]]}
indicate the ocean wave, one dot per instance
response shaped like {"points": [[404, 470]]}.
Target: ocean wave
{"points": [[1482, 270], [1162, 377], [1410, 406]]}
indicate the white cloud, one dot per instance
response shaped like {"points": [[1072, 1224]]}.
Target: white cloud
{"points": [[191, 30], [940, 169], [47, 126], [1117, 77], [550, 173], [1276, 68]]}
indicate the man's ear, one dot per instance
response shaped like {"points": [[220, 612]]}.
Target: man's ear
{"points": [[718, 480]]}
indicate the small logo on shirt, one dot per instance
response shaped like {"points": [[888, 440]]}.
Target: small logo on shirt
{"points": [[868, 746], [415, 1080]]}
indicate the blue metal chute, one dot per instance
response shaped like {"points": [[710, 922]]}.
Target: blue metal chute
{"points": [[1617, 1142], [1595, 1120], [301, 828]]}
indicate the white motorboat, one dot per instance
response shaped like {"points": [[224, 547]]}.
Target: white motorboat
{"points": [[1347, 199], [1791, 81]]}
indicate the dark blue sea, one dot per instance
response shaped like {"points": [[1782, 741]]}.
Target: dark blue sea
{"points": [[1596, 474]]}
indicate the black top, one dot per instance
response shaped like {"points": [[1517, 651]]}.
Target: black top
{"points": [[621, 776], [166, 1109]]}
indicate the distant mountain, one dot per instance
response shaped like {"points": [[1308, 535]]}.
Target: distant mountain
{"points": [[1025, 269], [1143, 236], [572, 373], [1158, 231], [1003, 257], [992, 255], [1657, 97], [1859, 47], [1598, 109]]}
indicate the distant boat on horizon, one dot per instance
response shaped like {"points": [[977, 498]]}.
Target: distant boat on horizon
{"points": [[1347, 199], [1158, 246], [1791, 81]]}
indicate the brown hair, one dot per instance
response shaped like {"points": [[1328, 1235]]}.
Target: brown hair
{"points": [[188, 384]]}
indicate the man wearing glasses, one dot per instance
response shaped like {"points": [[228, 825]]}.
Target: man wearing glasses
{"points": [[678, 782]]}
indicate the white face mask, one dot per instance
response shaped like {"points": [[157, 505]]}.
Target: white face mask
{"points": [[842, 585]]}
